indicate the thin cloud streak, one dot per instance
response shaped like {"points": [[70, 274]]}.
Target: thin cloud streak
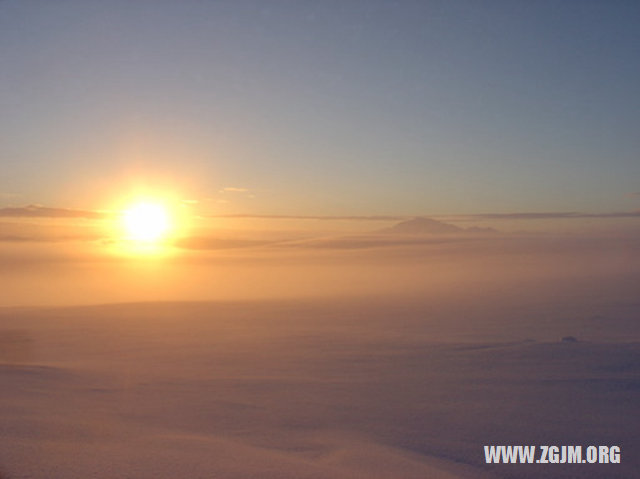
{"points": [[311, 217], [546, 215], [47, 238], [453, 217], [232, 189], [37, 211]]}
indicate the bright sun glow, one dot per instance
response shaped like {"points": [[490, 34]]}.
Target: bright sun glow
{"points": [[146, 222]]}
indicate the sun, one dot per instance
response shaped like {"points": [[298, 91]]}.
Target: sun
{"points": [[146, 222]]}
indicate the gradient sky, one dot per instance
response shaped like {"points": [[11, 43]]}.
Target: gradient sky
{"points": [[323, 107]]}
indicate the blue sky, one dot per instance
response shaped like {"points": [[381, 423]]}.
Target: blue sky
{"points": [[323, 107]]}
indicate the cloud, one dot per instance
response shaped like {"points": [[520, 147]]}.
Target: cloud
{"points": [[207, 243], [312, 217], [46, 238], [232, 189], [346, 242], [37, 211], [480, 216], [549, 215], [371, 241]]}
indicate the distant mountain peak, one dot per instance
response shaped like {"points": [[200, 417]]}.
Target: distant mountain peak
{"points": [[422, 225]]}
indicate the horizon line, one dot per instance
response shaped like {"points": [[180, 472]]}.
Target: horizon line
{"points": [[40, 211]]}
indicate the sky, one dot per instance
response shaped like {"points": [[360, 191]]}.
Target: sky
{"points": [[322, 108]]}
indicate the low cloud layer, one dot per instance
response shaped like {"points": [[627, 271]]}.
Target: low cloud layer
{"points": [[39, 211], [314, 217], [479, 216]]}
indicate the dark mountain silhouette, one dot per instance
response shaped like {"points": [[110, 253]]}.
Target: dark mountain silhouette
{"points": [[420, 226]]}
